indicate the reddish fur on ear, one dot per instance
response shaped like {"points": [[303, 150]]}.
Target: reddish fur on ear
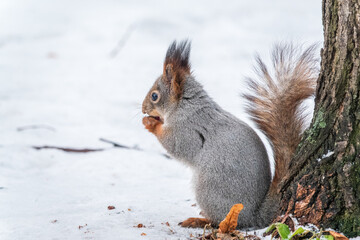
{"points": [[177, 67]]}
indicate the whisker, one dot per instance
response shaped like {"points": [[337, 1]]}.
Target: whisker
{"points": [[137, 114]]}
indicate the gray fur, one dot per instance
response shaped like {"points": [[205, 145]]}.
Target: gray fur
{"points": [[229, 160]]}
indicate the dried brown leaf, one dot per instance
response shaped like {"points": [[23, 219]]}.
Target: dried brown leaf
{"points": [[230, 222], [80, 227], [140, 225], [337, 236]]}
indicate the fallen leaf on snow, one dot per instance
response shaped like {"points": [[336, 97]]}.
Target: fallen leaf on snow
{"points": [[80, 227], [140, 225], [230, 222], [337, 236]]}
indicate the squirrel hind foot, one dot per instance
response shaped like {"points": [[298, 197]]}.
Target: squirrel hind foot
{"points": [[195, 223]]}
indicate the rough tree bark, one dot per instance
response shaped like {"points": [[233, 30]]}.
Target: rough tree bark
{"points": [[323, 186]]}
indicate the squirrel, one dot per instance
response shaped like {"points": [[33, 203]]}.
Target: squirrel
{"points": [[229, 161]]}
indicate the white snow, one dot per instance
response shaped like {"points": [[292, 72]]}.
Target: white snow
{"points": [[78, 71], [328, 154]]}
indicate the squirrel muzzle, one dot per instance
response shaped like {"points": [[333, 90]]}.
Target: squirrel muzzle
{"points": [[151, 112]]}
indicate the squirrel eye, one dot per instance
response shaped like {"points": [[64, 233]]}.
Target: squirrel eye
{"points": [[154, 96]]}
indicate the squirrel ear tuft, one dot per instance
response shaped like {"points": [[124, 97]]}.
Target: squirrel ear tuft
{"points": [[168, 72], [177, 66], [178, 55]]}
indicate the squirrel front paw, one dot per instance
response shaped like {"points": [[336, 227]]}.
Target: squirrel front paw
{"points": [[152, 124]]}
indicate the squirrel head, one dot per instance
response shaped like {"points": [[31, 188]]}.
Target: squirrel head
{"points": [[168, 89]]}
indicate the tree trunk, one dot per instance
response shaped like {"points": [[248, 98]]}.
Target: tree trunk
{"points": [[323, 186]]}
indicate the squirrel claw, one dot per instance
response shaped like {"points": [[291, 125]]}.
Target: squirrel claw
{"points": [[194, 223]]}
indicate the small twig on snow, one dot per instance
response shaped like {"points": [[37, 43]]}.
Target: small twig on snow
{"points": [[87, 150], [135, 147], [119, 145], [39, 126], [122, 41], [74, 150]]}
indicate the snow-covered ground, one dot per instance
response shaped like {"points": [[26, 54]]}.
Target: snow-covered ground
{"points": [[72, 72]]}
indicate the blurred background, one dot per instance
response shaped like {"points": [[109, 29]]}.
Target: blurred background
{"points": [[72, 72]]}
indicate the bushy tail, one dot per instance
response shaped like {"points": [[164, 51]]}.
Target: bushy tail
{"points": [[274, 103]]}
